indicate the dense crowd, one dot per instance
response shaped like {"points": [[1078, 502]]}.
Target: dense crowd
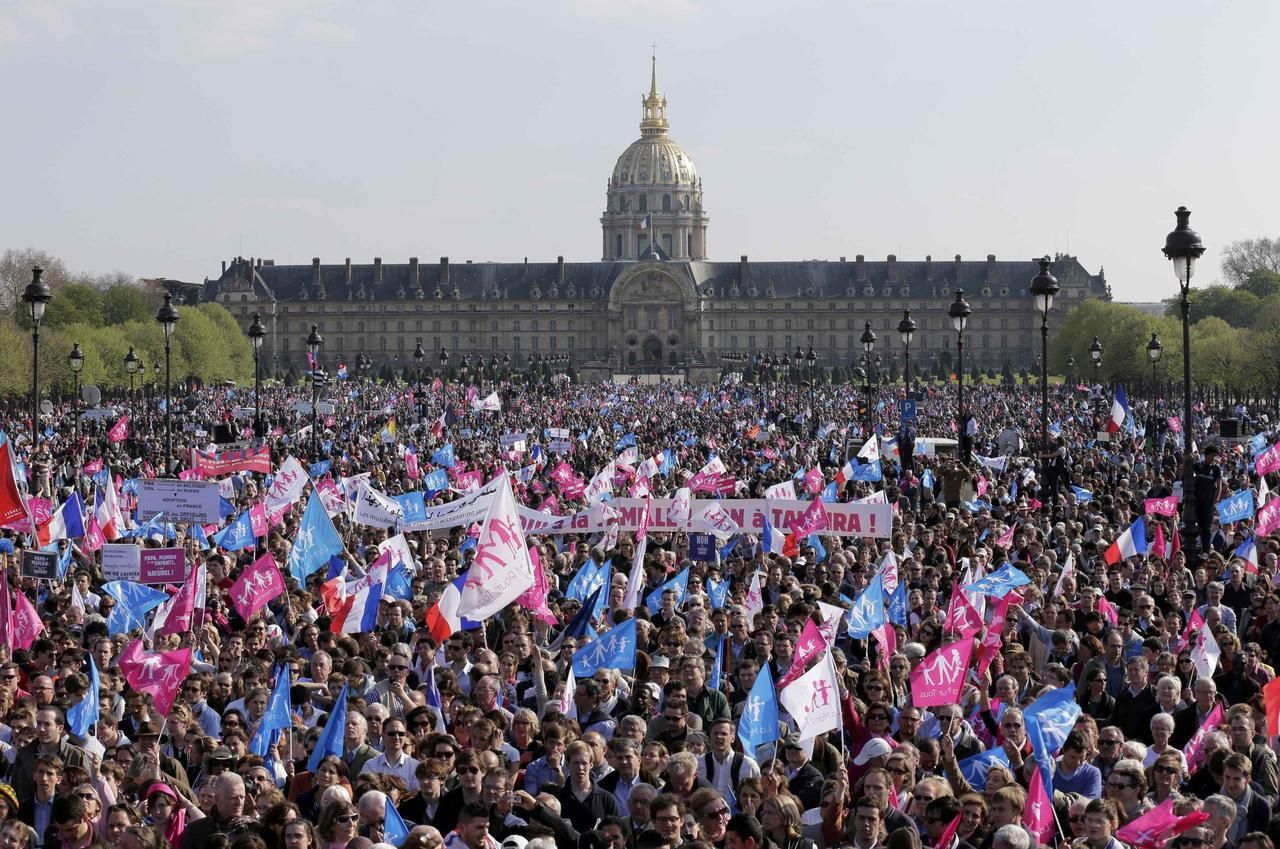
{"points": [[1109, 695]]}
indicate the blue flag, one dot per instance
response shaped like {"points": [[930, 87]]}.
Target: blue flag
{"points": [[399, 585], [585, 581], [436, 481], [717, 591], [819, 552], [667, 463], [602, 591], [277, 718], [85, 713], [319, 470], [444, 456], [1258, 444], [759, 721], [926, 479], [239, 534], [766, 533], [1049, 720], [1000, 582], [580, 625], [974, 769], [315, 543], [868, 472], [394, 829], [330, 742], [867, 612], [133, 602], [225, 508], [679, 583], [625, 442], [717, 666], [614, 649], [1083, 496], [829, 495], [1237, 508], [898, 605], [414, 505]]}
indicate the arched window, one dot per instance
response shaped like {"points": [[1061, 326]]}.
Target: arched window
{"points": [[644, 203], [666, 203]]}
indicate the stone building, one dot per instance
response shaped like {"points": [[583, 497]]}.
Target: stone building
{"points": [[654, 303]]}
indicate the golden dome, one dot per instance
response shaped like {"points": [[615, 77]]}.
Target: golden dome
{"points": [[654, 161]]}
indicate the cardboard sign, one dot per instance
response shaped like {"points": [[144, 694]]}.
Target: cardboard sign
{"points": [[121, 562], [162, 566], [179, 500], [42, 565]]}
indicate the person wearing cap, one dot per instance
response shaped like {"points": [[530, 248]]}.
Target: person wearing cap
{"points": [[803, 779], [147, 748]]}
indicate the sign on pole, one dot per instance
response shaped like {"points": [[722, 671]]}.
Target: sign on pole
{"points": [[162, 566], [179, 500], [121, 562], [42, 565], [907, 408]]}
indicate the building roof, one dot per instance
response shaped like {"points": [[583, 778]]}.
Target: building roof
{"points": [[584, 281]]}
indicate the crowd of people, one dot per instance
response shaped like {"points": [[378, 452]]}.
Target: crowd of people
{"points": [[479, 736]]}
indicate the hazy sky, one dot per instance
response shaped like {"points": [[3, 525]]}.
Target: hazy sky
{"points": [[159, 138]]}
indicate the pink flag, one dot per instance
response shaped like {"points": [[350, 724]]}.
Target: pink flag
{"points": [[1194, 624], [6, 612], [258, 585], [994, 638], [961, 616], [158, 673], [1167, 506], [887, 637], [535, 598], [178, 614], [814, 519], [1108, 610], [1156, 826], [1037, 816], [411, 465], [939, 679], [1175, 424], [1006, 539], [813, 481], [119, 431], [1268, 461], [258, 519], [1268, 518], [1158, 546], [26, 622], [93, 466], [809, 646], [982, 485], [1194, 750], [469, 481]]}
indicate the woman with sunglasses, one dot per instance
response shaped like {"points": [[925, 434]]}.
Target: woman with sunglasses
{"points": [[338, 825]]}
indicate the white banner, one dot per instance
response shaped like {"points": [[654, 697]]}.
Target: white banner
{"points": [[502, 569], [813, 699], [179, 501], [785, 491], [376, 510], [121, 562], [287, 485]]}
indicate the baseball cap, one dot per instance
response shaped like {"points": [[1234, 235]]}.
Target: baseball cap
{"points": [[876, 747]]}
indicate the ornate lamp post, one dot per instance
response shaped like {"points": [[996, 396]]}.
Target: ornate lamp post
{"points": [[868, 347], [1155, 350], [1043, 287], [1071, 367], [36, 296], [257, 333], [314, 343], [906, 329], [959, 311], [1095, 354], [76, 361], [444, 363], [1183, 247], [131, 363], [418, 356], [167, 317]]}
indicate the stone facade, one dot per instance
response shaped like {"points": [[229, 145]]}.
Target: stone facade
{"points": [[650, 305]]}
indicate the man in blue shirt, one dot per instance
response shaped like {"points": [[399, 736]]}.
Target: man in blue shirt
{"points": [[1073, 774]]}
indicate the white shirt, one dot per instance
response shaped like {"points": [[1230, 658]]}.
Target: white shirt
{"points": [[722, 779], [404, 769]]}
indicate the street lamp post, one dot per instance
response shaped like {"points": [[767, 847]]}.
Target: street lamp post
{"points": [[1155, 350], [1095, 354], [257, 333], [868, 346], [131, 363], [1183, 247], [36, 296], [906, 329], [167, 317], [418, 356], [76, 361], [314, 343], [1043, 287], [811, 358], [1071, 367], [959, 311]]}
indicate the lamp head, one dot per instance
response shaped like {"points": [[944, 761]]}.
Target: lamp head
{"points": [[906, 327], [1043, 287], [257, 332], [1154, 348], [76, 358], [167, 316], [1183, 246], [959, 312], [131, 361]]}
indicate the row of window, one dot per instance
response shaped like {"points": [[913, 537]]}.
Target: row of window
{"points": [[891, 345], [888, 323], [404, 347], [455, 326]]}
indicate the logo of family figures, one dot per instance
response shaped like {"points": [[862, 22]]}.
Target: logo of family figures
{"points": [[499, 534], [945, 669], [819, 696]]}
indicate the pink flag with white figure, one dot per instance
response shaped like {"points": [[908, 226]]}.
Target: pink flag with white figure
{"points": [[1006, 539], [93, 536], [888, 641], [939, 679], [993, 639], [813, 481], [159, 674], [26, 622], [1194, 623], [119, 431], [810, 645], [961, 616], [812, 520], [411, 465], [1156, 826], [259, 584], [1037, 816], [1167, 506], [535, 598], [258, 519], [93, 466], [180, 613], [1194, 750], [1108, 610]]}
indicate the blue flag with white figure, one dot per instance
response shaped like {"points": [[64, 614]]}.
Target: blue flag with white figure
{"points": [[758, 724], [278, 717], [444, 456], [436, 481], [926, 479], [868, 472], [1237, 508], [316, 541], [1000, 582], [585, 581], [394, 829], [974, 768], [1049, 719], [898, 605], [82, 715], [614, 649], [679, 583], [717, 666], [717, 591], [238, 535], [319, 470], [819, 551], [133, 602], [602, 598], [330, 742], [867, 612], [1083, 496]]}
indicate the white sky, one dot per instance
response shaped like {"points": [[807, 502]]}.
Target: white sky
{"points": [[159, 138]]}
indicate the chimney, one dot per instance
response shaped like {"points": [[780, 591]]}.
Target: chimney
{"points": [[224, 266], [413, 271], [928, 267], [991, 267], [315, 270], [892, 272], [842, 259], [560, 269], [377, 271], [444, 271], [742, 270], [861, 262]]}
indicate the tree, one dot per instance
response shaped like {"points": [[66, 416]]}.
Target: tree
{"points": [[15, 274], [126, 301], [1006, 373], [75, 303], [1247, 255], [1262, 282]]}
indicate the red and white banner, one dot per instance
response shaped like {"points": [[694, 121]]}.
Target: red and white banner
{"points": [[215, 464], [119, 431]]}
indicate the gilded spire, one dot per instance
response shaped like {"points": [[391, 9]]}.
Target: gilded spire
{"points": [[653, 120]]}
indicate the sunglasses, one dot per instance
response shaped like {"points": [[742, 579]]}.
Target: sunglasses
{"points": [[1167, 770], [347, 819], [468, 770]]}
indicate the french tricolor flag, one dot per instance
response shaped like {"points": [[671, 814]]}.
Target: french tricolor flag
{"points": [[1130, 544], [1119, 412], [443, 618], [771, 539], [67, 522], [1248, 552]]}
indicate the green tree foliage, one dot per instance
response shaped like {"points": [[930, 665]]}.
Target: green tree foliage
{"points": [[1237, 307], [75, 303], [1242, 258], [123, 302]]}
